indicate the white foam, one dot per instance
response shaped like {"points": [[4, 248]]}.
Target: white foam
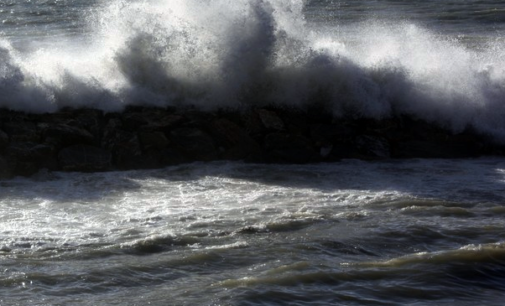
{"points": [[225, 53]]}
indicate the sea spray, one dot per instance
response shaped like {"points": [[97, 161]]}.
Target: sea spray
{"points": [[214, 54]]}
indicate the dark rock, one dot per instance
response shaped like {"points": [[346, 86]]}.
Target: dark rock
{"points": [[26, 158], [149, 137], [111, 133], [435, 149], [171, 157], [237, 144], [371, 126], [270, 120], [7, 116], [5, 169], [195, 143], [84, 158], [422, 130], [341, 151], [63, 135], [227, 132], [283, 147], [91, 120], [29, 151], [4, 139], [163, 124], [195, 118], [252, 124], [325, 134], [156, 140], [295, 122], [124, 145], [318, 113], [373, 147], [494, 149], [325, 151], [150, 159], [149, 119], [22, 131], [334, 141], [133, 121], [64, 116]]}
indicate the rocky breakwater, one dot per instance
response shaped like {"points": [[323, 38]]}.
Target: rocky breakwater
{"points": [[146, 137]]}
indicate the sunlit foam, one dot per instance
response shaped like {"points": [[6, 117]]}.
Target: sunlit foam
{"points": [[219, 53]]}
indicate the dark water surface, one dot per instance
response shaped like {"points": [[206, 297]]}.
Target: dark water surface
{"points": [[354, 233]]}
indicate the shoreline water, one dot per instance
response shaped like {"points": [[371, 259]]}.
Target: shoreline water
{"points": [[250, 234], [89, 140]]}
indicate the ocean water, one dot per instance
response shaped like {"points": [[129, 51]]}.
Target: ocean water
{"points": [[419, 232], [411, 232]]}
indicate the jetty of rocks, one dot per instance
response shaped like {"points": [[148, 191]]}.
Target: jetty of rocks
{"points": [[140, 137]]}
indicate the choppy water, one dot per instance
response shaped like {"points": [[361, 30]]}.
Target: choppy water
{"points": [[353, 233]]}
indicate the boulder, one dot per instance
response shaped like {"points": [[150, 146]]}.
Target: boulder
{"points": [[373, 147], [194, 143], [288, 148], [63, 135], [92, 121], [171, 157], [5, 169], [236, 143], [252, 123], [4, 139], [421, 130], [436, 149], [29, 151], [84, 158], [323, 134], [163, 124], [133, 121], [64, 115], [111, 133], [270, 119], [318, 113], [124, 145], [195, 118], [295, 122], [136, 118], [153, 140], [227, 132], [150, 159], [27, 158], [341, 150], [22, 131]]}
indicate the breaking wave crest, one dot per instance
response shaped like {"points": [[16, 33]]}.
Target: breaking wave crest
{"points": [[235, 54]]}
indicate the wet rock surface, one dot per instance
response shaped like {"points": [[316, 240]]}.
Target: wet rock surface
{"points": [[84, 158], [4, 139], [149, 137]]}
